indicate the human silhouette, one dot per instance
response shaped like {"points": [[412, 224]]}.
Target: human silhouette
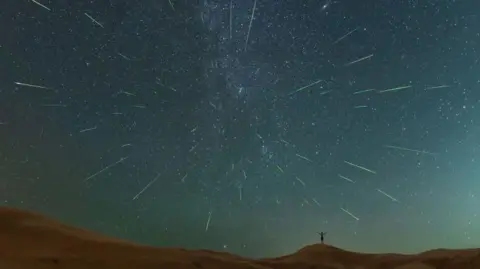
{"points": [[322, 236]]}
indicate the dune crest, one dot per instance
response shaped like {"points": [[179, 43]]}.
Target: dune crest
{"points": [[29, 240]]}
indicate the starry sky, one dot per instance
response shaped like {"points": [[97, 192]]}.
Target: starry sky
{"points": [[246, 126]]}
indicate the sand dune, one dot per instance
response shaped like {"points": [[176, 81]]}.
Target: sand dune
{"points": [[29, 240]]}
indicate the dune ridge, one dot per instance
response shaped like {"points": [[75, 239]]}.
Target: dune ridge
{"points": [[29, 240]]}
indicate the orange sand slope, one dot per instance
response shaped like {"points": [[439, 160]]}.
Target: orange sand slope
{"points": [[29, 240]]}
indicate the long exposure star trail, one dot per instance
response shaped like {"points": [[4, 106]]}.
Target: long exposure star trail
{"points": [[246, 126]]}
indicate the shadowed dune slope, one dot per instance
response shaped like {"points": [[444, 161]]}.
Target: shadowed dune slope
{"points": [[29, 240]]}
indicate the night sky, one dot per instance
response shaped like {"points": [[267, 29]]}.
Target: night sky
{"points": [[246, 127]]}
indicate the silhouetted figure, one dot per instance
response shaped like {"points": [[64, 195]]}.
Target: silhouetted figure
{"points": [[322, 236]]}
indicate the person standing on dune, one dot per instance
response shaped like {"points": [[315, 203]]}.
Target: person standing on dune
{"points": [[322, 236]]}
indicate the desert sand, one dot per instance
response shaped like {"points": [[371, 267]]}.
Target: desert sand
{"points": [[29, 240]]}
